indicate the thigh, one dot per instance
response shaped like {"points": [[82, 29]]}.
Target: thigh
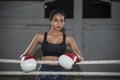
{"points": [[50, 77]]}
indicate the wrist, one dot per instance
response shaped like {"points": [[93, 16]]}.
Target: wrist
{"points": [[79, 57]]}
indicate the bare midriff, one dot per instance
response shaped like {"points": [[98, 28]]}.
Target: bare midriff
{"points": [[50, 58]]}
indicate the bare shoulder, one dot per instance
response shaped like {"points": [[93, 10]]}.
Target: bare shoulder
{"points": [[69, 37], [40, 36]]}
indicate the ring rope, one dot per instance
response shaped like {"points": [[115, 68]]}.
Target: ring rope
{"points": [[60, 73], [56, 62]]}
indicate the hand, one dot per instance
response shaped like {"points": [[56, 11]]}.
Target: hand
{"points": [[79, 58], [67, 60], [28, 63]]}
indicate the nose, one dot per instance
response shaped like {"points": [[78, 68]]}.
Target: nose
{"points": [[59, 23]]}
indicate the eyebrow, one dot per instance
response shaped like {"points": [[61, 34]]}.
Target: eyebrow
{"points": [[60, 19]]}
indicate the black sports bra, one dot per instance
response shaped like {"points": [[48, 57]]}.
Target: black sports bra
{"points": [[49, 49]]}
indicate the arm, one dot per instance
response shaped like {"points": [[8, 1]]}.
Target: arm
{"points": [[71, 42], [36, 40]]}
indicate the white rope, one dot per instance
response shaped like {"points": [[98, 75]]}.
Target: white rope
{"points": [[56, 62], [60, 73]]}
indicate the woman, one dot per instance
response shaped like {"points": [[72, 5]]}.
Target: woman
{"points": [[53, 44]]}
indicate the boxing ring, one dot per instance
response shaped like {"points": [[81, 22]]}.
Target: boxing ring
{"points": [[15, 61]]}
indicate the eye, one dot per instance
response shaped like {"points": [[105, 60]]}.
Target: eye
{"points": [[62, 20], [55, 20]]}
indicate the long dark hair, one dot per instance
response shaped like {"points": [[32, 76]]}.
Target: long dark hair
{"points": [[56, 11]]}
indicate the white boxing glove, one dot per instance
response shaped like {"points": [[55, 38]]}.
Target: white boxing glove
{"points": [[67, 60], [28, 63]]}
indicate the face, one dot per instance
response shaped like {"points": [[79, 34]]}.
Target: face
{"points": [[57, 22]]}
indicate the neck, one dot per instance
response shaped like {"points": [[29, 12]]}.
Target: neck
{"points": [[55, 32]]}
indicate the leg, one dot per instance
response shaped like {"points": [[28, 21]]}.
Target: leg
{"points": [[50, 77]]}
